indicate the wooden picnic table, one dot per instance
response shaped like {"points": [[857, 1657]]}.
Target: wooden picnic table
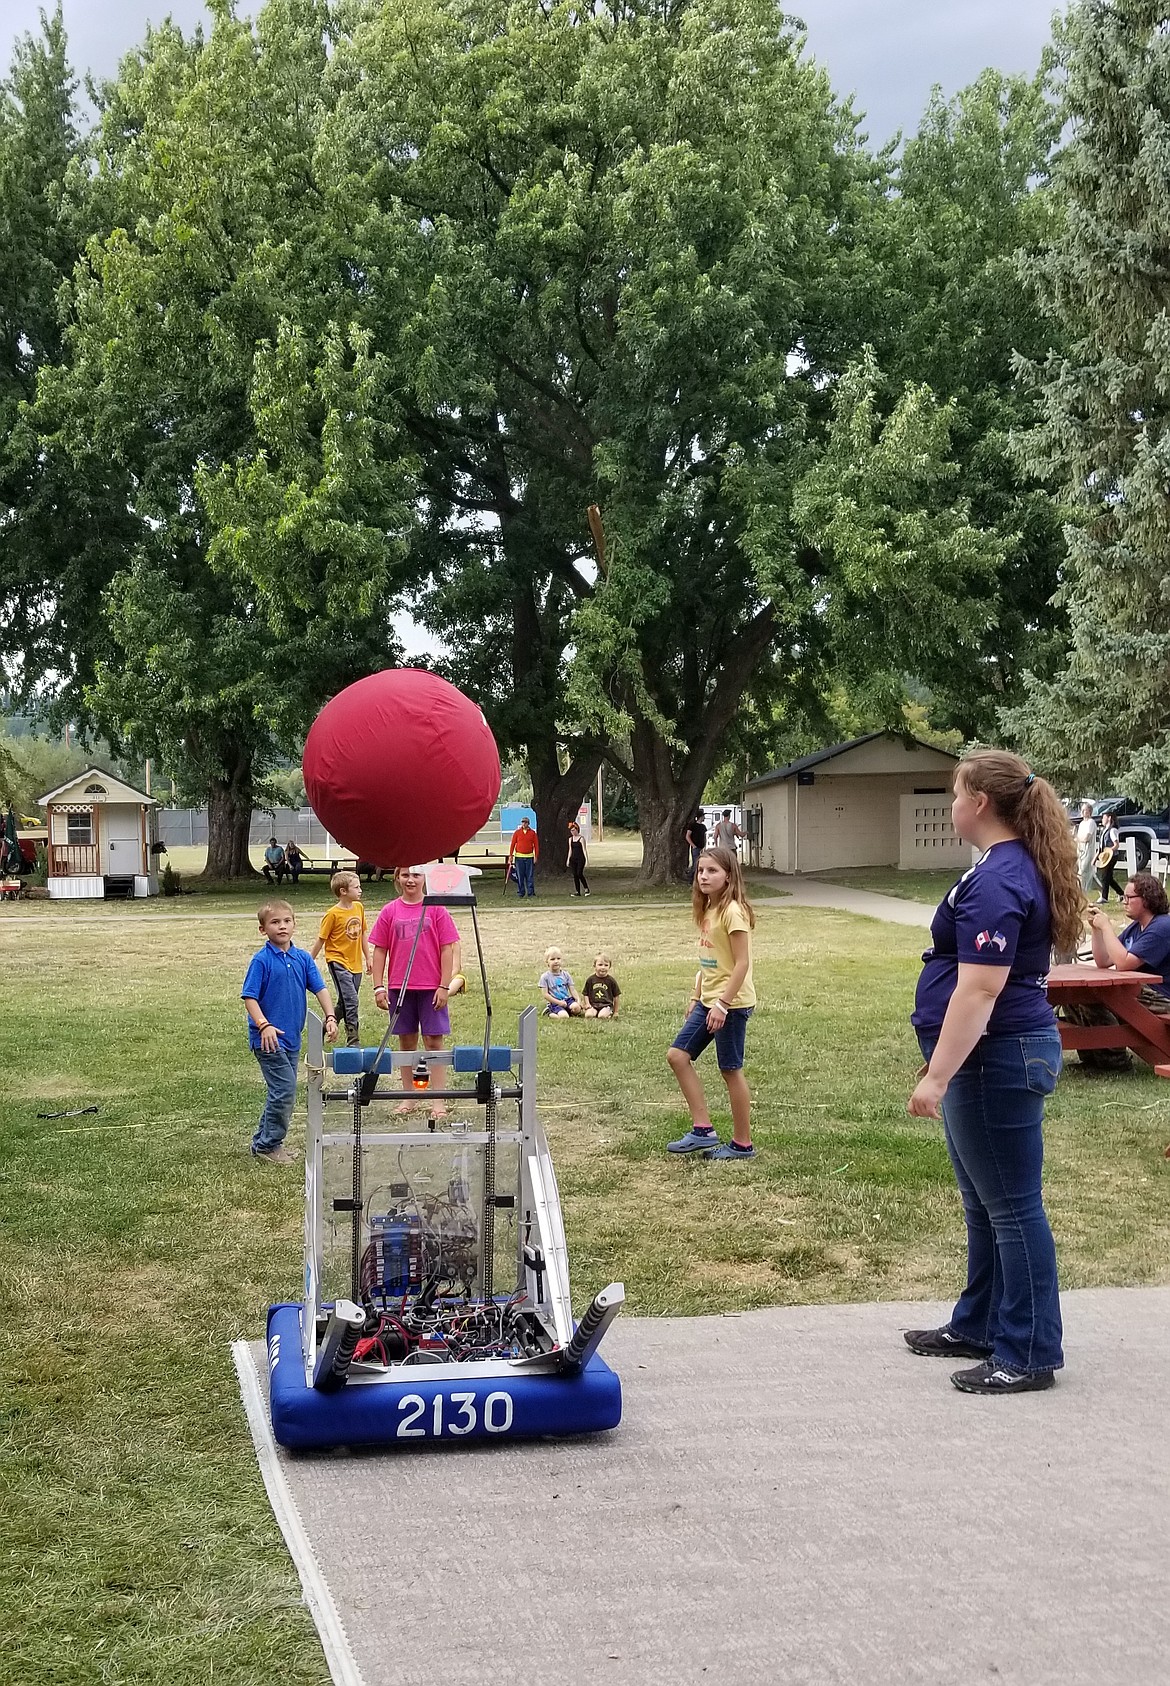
{"points": [[1144, 1032]]}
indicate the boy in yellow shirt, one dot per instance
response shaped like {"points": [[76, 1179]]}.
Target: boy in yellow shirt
{"points": [[347, 952]]}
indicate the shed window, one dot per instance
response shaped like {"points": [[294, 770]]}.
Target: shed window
{"points": [[80, 828]]}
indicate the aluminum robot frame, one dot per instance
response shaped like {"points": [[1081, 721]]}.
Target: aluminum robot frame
{"points": [[437, 1302]]}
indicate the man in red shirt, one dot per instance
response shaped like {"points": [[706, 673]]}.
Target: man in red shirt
{"points": [[523, 852]]}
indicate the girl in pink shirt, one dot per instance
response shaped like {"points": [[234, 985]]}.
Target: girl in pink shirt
{"points": [[424, 1002]]}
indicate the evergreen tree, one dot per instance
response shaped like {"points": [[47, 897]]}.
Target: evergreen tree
{"points": [[1105, 432], [64, 522]]}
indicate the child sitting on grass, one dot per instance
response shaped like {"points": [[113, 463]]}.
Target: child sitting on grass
{"points": [[274, 998], [601, 990], [558, 988]]}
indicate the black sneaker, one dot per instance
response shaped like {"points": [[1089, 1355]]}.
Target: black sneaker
{"points": [[991, 1377], [940, 1343]]}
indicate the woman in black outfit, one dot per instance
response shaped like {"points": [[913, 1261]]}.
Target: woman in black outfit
{"points": [[577, 859], [1109, 839]]}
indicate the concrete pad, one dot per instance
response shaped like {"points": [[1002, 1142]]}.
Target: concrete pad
{"points": [[792, 1496]]}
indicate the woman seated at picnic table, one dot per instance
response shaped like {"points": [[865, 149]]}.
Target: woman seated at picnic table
{"points": [[1144, 944], [293, 860]]}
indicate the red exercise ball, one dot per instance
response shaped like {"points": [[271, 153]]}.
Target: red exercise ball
{"points": [[401, 768]]}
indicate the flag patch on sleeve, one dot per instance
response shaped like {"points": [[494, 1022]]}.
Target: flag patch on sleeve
{"points": [[996, 940]]}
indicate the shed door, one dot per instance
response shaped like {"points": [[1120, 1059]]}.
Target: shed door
{"points": [[123, 842]]}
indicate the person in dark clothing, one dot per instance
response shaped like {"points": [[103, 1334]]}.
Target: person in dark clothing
{"points": [[992, 1052], [1108, 844], [577, 860], [696, 843]]}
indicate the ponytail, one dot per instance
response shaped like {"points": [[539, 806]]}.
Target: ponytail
{"points": [[1030, 806]]}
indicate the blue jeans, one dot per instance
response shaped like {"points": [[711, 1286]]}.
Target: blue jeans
{"points": [[280, 1074], [525, 875], [993, 1114]]}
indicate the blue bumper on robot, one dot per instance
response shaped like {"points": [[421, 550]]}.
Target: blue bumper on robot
{"points": [[411, 1409]]}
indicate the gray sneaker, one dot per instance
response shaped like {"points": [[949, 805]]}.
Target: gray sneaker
{"points": [[694, 1141]]}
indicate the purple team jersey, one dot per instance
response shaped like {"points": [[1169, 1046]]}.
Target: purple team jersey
{"points": [[996, 915]]}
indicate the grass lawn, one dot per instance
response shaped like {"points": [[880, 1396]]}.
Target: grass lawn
{"points": [[136, 1245], [617, 860], [888, 881]]}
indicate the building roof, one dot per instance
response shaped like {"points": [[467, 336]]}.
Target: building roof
{"points": [[116, 789], [820, 755]]}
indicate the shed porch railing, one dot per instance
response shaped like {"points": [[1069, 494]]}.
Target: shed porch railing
{"points": [[73, 860]]}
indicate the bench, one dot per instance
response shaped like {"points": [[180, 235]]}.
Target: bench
{"points": [[314, 869], [327, 867]]}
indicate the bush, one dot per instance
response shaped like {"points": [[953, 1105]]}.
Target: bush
{"points": [[172, 881]]}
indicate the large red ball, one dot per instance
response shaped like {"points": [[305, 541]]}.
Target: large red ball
{"points": [[401, 768]]}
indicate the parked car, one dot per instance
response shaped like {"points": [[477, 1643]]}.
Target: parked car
{"points": [[1134, 821]]}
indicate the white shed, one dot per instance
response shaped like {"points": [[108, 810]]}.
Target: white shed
{"points": [[880, 800], [102, 834]]}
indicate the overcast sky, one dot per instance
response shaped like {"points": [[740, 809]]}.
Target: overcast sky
{"points": [[890, 55]]}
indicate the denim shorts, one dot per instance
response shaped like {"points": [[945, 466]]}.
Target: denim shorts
{"points": [[728, 1039]]}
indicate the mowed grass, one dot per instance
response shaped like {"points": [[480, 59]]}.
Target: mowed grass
{"points": [[136, 1245], [617, 860], [911, 886]]}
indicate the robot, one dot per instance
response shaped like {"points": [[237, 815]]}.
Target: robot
{"points": [[436, 1289]]}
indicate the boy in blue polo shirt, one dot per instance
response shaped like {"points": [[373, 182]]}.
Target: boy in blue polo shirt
{"points": [[274, 997]]}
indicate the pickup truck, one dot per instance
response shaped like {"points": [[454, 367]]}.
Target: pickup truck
{"points": [[1132, 820]]}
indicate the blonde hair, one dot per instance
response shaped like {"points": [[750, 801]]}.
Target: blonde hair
{"points": [[266, 909], [598, 958], [1031, 808], [340, 879], [549, 952], [733, 890]]}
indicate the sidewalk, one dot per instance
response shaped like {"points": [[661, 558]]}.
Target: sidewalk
{"points": [[791, 1497], [815, 892]]}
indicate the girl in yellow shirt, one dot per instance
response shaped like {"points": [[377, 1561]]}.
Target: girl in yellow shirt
{"points": [[721, 1005]]}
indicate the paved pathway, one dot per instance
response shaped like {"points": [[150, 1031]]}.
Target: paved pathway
{"points": [[791, 1497], [816, 892]]}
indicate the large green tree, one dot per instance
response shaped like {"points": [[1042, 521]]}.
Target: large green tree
{"points": [[628, 257], [614, 235], [1105, 433], [212, 355]]}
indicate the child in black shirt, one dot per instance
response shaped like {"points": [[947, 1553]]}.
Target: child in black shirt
{"points": [[601, 990]]}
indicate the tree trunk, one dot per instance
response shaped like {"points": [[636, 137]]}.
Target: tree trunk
{"points": [[666, 803], [667, 796], [229, 820], [557, 798]]}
